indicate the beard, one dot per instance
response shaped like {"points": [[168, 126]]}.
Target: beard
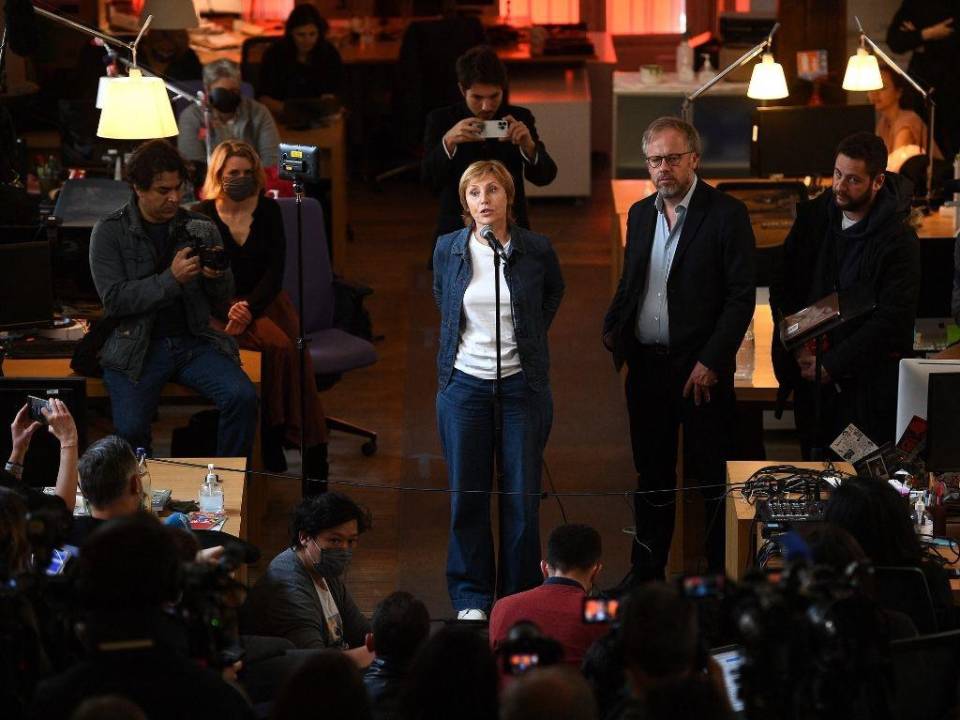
{"points": [[669, 187], [850, 204]]}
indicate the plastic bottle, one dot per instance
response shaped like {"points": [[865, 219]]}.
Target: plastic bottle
{"points": [[684, 61], [146, 485], [746, 355], [706, 72], [211, 493]]}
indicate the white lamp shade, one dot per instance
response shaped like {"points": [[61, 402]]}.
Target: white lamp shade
{"points": [[136, 108], [170, 14], [767, 81], [863, 72]]}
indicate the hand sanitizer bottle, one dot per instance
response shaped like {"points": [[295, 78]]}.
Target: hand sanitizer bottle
{"points": [[211, 493]]}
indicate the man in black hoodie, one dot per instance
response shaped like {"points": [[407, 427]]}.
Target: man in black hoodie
{"points": [[857, 236]]}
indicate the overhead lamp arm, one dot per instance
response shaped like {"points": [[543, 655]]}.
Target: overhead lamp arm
{"points": [[131, 46], [865, 39], [687, 106]]}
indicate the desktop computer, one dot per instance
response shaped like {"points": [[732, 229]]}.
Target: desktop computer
{"points": [[913, 389]]}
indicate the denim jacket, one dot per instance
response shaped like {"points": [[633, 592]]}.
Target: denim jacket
{"points": [[533, 275], [134, 288]]}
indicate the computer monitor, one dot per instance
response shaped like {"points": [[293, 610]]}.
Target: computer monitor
{"points": [[943, 422], [801, 141], [936, 273], [43, 457], [26, 285], [912, 388], [81, 203], [925, 676]]}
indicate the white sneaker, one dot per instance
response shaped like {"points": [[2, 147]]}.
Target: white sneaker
{"points": [[472, 614]]}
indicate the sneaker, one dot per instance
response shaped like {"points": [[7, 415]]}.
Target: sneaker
{"points": [[472, 614]]}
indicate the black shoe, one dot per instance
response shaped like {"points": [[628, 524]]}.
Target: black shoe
{"points": [[315, 462]]}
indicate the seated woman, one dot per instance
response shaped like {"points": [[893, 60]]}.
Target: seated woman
{"points": [[902, 130], [262, 315], [303, 597], [878, 519], [168, 53], [302, 64]]}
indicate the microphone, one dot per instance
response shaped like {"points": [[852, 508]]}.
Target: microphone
{"points": [[487, 233]]}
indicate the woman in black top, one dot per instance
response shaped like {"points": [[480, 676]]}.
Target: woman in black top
{"points": [[302, 64], [262, 315]]}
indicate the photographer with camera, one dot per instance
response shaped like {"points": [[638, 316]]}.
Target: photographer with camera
{"points": [[159, 272], [455, 138], [60, 424], [261, 316], [129, 579]]}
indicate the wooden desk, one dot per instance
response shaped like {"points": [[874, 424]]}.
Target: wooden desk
{"points": [[332, 139], [60, 367], [740, 513], [185, 483]]}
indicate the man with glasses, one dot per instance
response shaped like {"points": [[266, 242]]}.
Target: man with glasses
{"points": [[677, 319], [158, 295]]}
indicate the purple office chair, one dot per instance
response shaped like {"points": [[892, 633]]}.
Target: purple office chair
{"points": [[333, 351]]}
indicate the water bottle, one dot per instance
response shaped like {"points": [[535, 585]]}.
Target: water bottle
{"points": [[211, 493], [706, 71], [146, 485], [684, 61], [745, 355]]}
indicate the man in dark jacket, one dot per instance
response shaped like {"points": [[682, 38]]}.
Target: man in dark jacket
{"points": [[855, 238], [147, 270], [681, 309], [401, 624], [453, 139]]}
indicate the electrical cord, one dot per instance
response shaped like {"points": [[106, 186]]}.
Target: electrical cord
{"points": [[553, 489], [415, 488]]}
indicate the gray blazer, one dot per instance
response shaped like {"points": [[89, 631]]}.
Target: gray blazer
{"points": [[134, 288], [284, 603]]}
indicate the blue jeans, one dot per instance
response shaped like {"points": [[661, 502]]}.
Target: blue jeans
{"points": [[465, 419], [193, 362]]}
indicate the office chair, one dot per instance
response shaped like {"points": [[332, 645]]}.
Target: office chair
{"points": [[333, 351], [251, 57], [905, 589], [925, 683], [426, 79]]}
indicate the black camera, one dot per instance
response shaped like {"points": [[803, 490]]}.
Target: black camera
{"points": [[204, 241], [600, 609], [215, 258], [37, 406], [299, 163], [526, 648]]}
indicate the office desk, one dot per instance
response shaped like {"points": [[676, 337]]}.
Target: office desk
{"points": [[185, 482], [740, 513], [332, 139]]}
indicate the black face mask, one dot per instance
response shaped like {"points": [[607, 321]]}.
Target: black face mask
{"points": [[240, 188], [226, 101]]}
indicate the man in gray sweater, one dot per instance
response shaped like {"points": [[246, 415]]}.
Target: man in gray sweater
{"points": [[302, 597]]}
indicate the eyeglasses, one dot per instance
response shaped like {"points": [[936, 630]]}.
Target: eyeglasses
{"points": [[673, 160]]}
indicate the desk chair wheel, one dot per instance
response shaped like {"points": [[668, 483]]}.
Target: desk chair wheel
{"points": [[369, 448]]}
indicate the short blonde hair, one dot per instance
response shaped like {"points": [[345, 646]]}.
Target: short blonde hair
{"points": [[213, 185], [477, 170]]}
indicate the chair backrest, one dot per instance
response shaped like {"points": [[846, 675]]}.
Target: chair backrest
{"points": [[905, 589], [317, 275], [192, 87], [251, 57], [925, 676]]}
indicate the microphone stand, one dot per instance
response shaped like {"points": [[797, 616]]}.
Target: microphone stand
{"points": [[497, 248]]}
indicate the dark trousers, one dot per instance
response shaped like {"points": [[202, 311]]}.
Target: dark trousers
{"points": [[657, 409]]}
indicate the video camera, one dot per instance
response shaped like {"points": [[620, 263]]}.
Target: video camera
{"points": [[204, 242], [527, 647]]}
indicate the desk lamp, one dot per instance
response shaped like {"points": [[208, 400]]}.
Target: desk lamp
{"points": [[863, 73], [134, 107], [766, 83]]}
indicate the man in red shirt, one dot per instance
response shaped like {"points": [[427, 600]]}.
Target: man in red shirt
{"points": [[556, 607]]}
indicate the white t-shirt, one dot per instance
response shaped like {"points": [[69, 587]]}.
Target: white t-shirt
{"points": [[331, 614], [477, 352]]}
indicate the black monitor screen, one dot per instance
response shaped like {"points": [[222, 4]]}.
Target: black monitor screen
{"points": [[43, 457], [26, 285], [943, 422], [801, 141], [936, 273]]}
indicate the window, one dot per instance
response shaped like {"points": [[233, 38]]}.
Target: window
{"points": [[646, 17], [542, 11]]}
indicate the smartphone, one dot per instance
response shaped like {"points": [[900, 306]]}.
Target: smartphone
{"points": [[37, 405], [494, 129], [600, 610], [730, 660]]}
